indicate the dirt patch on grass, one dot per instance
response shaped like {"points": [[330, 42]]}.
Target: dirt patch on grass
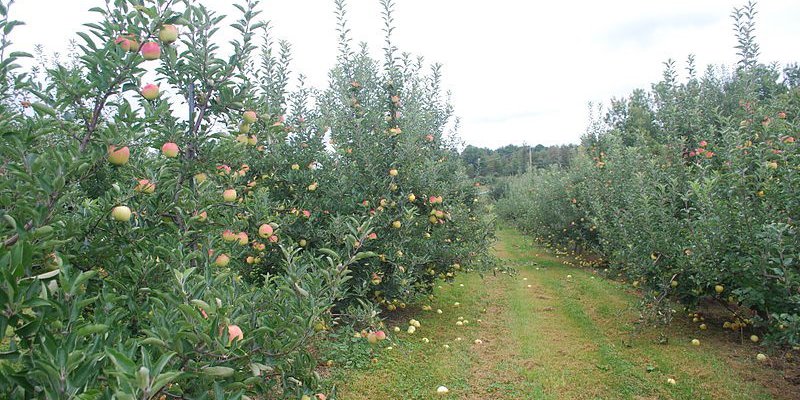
{"points": [[497, 344]]}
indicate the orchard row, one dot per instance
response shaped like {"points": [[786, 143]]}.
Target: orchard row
{"points": [[689, 191]]}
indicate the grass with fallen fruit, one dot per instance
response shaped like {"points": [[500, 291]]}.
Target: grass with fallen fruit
{"points": [[543, 335]]}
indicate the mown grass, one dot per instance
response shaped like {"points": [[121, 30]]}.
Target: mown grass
{"points": [[547, 336]]}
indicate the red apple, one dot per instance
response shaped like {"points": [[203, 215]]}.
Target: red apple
{"points": [[133, 42], [250, 117], [145, 186], [265, 231], [234, 332], [229, 195], [118, 156], [151, 51], [372, 338], [170, 149], [123, 43], [222, 260], [150, 91], [228, 235]]}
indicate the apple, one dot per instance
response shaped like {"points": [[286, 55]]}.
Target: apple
{"points": [[118, 156], [228, 235], [442, 390], [244, 128], [222, 260], [252, 140], [295, 167], [303, 243], [201, 216], [393, 172], [234, 332], [396, 224], [754, 338], [703, 327], [265, 230], [412, 329], [761, 357], [674, 283], [200, 177], [229, 195], [671, 381], [150, 91], [695, 342], [719, 288], [241, 138], [381, 335], [145, 186], [243, 239], [273, 239], [168, 34], [121, 213], [372, 338], [312, 187], [411, 197], [170, 150], [134, 44], [396, 329], [250, 116], [123, 43], [151, 51]]}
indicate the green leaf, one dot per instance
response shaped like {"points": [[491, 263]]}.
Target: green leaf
{"points": [[43, 109], [121, 361], [222, 372], [91, 330]]}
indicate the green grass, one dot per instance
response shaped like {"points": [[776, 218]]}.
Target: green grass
{"points": [[560, 338]]}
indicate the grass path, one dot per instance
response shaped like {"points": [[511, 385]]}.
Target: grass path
{"points": [[546, 336]]}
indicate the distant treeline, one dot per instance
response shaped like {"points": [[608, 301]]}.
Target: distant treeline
{"points": [[513, 160]]}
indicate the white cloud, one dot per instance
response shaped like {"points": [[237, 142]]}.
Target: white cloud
{"points": [[520, 71]]}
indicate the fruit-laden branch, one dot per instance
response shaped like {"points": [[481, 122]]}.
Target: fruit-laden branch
{"points": [[91, 127]]}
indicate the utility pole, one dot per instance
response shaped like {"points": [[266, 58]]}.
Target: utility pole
{"points": [[530, 159]]}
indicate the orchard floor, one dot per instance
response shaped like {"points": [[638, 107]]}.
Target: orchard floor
{"points": [[545, 336]]}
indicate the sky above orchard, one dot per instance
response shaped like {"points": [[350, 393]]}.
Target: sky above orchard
{"points": [[519, 71]]}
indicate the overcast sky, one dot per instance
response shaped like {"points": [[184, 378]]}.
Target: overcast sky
{"points": [[520, 71]]}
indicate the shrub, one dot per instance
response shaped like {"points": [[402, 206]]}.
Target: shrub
{"points": [[147, 253]]}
